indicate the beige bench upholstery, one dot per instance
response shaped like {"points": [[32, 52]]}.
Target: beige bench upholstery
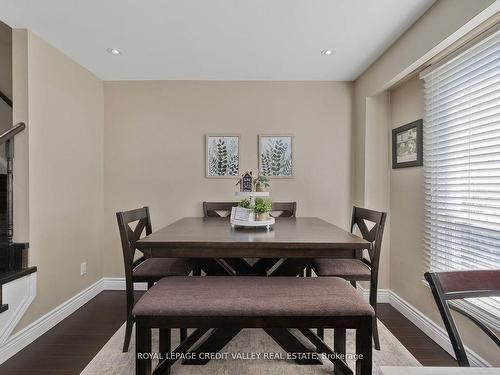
{"points": [[252, 302], [214, 296]]}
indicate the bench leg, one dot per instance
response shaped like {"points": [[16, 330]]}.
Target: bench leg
{"points": [[289, 342], [182, 334], [165, 341], [341, 366], [142, 348], [321, 333], [164, 365], [339, 345], [364, 347]]}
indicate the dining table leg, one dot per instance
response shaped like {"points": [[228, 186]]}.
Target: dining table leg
{"points": [[263, 265], [215, 342], [239, 265], [289, 267], [214, 267], [291, 344]]}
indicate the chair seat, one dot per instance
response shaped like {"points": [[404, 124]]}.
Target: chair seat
{"points": [[349, 269], [249, 296], [153, 269]]}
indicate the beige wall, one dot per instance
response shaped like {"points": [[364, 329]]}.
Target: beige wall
{"points": [[65, 109], [155, 145], [377, 154], [5, 76], [21, 144], [429, 35], [407, 261], [154, 155]]}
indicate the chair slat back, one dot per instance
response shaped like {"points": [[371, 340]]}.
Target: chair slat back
{"points": [[218, 209], [223, 209], [360, 217], [284, 209], [454, 285], [129, 236]]}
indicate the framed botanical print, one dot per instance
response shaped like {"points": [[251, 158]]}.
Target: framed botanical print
{"points": [[276, 156], [407, 145], [222, 156]]}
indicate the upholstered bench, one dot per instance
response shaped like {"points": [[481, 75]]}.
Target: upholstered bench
{"points": [[252, 302]]}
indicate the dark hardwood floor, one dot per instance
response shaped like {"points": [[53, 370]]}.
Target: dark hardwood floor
{"points": [[69, 346], [426, 351]]}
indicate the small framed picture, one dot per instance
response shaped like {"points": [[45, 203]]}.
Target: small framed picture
{"points": [[276, 156], [407, 145], [222, 156]]}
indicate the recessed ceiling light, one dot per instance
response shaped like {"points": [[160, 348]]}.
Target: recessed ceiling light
{"points": [[327, 52], [114, 51]]}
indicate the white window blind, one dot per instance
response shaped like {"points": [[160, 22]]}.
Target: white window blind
{"points": [[462, 165]]}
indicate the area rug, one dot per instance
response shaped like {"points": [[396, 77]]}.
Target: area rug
{"points": [[110, 360]]}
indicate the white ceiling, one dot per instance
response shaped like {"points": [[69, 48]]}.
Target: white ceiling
{"points": [[218, 39]]}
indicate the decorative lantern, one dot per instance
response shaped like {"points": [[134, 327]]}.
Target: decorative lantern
{"points": [[246, 181]]}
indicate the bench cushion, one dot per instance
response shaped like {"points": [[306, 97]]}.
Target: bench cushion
{"points": [[156, 268], [214, 296]]}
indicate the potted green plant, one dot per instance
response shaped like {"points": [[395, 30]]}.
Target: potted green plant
{"points": [[245, 203], [261, 183], [262, 208]]}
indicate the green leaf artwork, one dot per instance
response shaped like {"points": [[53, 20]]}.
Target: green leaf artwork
{"points": [[222, 156], [275, 156]]}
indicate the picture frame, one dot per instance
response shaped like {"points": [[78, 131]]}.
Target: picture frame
{"points": [[407, 145], [222, 155], [275, 155]]}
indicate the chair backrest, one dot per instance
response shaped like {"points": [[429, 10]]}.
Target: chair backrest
{"points": [[218, 209], [223, 209], [284, 209], [453, 285], [363, 218], [129, 237]]}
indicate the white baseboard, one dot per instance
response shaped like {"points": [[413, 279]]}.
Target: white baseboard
{"points": [[19, 293], [383, 295], [118, 283], [30, 333]]}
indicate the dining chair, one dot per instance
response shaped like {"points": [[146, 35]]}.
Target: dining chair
{"points": [[142, 269], [223, 209], [455, 285], [370, 223]]}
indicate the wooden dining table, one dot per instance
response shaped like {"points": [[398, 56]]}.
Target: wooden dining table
{"points": [[285, 249]]}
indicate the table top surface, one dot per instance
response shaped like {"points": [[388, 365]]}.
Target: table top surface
{"points": [[439, 370], [286, 233]]}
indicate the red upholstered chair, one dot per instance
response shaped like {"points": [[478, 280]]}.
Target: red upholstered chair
{"points": [[453, 285], [360, 268], [149, 270]]}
